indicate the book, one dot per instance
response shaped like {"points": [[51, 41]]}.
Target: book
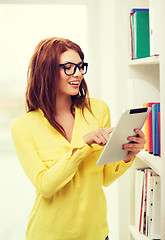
{"points": [[155, 208], [133, 10], [133, 27], [141, 200], [154, 22], [139, 175], [141, 34], [149, 173], [155, 128], [147, 202], [141, 220], [131, 34], [159, 117], [149, 128], [145, 131], [144, 231]]}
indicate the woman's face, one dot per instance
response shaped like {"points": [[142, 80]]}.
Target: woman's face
{"points": [[69, 85]]}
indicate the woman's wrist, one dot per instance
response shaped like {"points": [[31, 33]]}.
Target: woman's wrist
{"points": [[126, 160]]}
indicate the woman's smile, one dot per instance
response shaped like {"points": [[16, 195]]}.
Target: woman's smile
{"points": [[75, 83]]}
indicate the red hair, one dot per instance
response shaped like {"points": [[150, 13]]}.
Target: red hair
{"points": [[43, 76]]}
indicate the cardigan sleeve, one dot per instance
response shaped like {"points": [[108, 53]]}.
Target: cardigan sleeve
{"points": [[46, 180], [109, 171]]}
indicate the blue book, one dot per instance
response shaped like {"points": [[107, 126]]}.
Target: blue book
{"points": [[139, 9], [155, 128]]}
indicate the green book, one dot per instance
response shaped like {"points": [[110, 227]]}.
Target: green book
{"points": [[141, 34]]}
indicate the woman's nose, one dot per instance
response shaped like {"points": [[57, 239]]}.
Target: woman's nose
{"points": [[77, 72]]}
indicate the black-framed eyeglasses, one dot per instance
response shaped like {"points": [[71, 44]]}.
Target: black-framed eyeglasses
{"points": [[70, 68]]}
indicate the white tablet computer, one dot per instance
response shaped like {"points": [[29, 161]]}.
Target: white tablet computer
{"points": [[129, 120]]}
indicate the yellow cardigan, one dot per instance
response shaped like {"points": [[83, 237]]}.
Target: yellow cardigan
{"points": [[70, 203]]}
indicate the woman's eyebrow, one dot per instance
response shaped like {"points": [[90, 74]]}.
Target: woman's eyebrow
{"points": [[73, 62]]}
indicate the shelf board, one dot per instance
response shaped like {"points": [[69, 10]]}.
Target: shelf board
{"points": [[137, 235], [144, 61], [152, 161]]}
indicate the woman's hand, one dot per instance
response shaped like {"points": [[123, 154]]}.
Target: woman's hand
{"points": [[99, 136], [135, 147]]}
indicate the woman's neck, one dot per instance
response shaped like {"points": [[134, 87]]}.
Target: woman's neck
{"points": [[63, 104]]}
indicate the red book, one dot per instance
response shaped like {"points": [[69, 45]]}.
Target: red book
{"points": [[145, 201], [149, 128], [131, 35]]}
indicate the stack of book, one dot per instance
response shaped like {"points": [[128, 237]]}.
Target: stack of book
{"points": [[140, 34], [147, 203], [152, 129], [145, 30]]}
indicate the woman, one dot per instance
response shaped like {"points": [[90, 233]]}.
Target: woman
{"points": [[58, 142]]}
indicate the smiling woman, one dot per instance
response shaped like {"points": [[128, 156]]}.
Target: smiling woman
{"points": [[58, 142]]}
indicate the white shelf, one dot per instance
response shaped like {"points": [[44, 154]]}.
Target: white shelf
{"points": [[144, 61], [152, 161], [142, 80], [137, 235]]}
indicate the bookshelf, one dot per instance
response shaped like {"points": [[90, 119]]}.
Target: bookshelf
{"points": [[151, 161], [147, 70], [145, 61], [142, 80], [137, 235]]}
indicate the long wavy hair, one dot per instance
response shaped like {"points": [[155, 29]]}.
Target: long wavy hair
{"points": [[43, 76]]}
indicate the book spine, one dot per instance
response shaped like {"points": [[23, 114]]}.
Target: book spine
{"points": [[159, 116], [145, 131], [139, 175], [141, 220], [145, 203], [155, 128], [131, 33], [149, 128]]}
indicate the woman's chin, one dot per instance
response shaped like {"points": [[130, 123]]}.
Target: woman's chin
{"points": [[75, 93]]}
